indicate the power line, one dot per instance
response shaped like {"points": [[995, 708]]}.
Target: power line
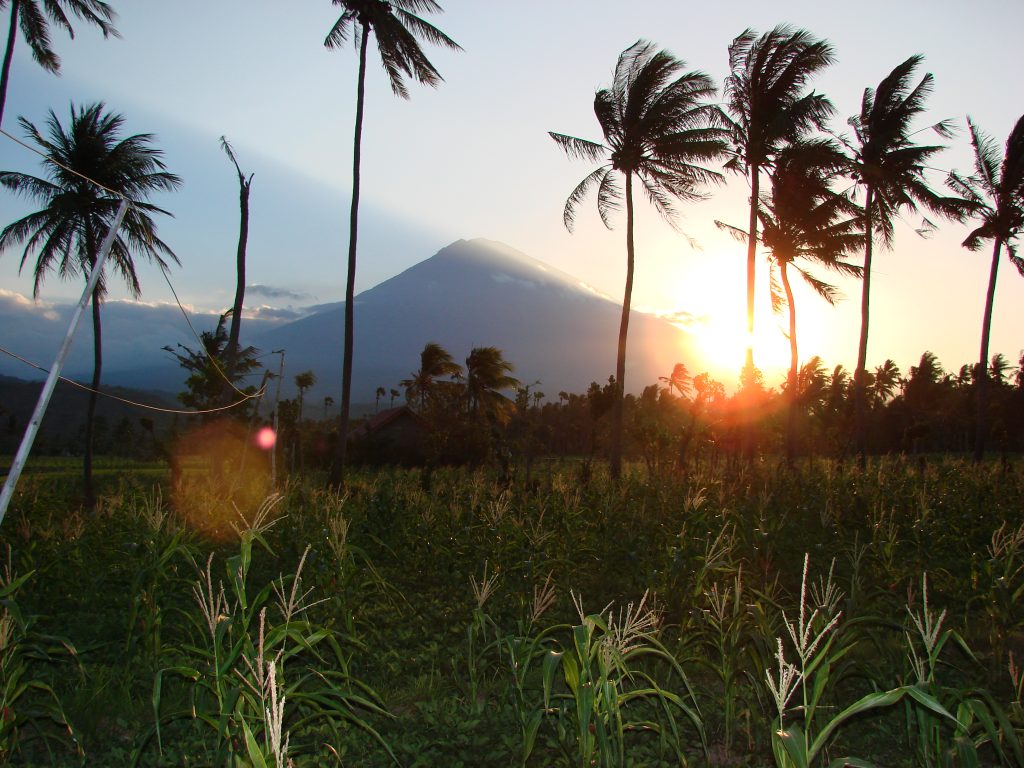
{"points": [[163, 270], [259, 393]]}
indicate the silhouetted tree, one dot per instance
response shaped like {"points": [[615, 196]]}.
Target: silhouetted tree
{"points": [[244, 185], [398, 30], [487, 374], [996, 189], [208, 375], [31, 17], [659, 127], [890, 168], [765, 94], [67, 232], [435, 363]]}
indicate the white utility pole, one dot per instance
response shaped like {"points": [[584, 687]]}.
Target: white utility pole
{"points": [[51, 380]]}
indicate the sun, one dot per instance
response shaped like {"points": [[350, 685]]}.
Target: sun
{"points": [[711, 307]]}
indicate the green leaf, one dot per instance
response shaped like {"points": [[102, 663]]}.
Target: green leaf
{"points": [[252, 748]]}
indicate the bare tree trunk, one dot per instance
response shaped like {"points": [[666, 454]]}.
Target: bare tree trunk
{"points": [[981, 426], [860, 375], [12, 34], [338, 470], [794, 364], [620, 360], [97, 368], [236, 308], [755, 203]]}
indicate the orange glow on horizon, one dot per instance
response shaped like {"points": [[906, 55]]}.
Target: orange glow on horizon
{"points": [[718, 325]]}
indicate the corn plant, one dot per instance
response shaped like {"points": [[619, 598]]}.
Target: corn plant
{"points": [[798, 741], [601, 681], [724, 638], [1002, 579], [979, 722], [28, 704], [522, 651], [237, 669], [163, 547], [481, 640]]}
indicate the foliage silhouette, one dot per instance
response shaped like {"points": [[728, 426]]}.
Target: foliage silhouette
{"points": [[658, 126], [398, 31], [66, 233]]}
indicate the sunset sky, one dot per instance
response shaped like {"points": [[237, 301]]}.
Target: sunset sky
{"points": [[473, 158]]}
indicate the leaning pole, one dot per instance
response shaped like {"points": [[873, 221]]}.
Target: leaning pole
{"points": [[51, 380]]}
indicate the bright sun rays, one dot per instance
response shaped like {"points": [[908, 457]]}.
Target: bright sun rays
{"points": [[710, 304]]}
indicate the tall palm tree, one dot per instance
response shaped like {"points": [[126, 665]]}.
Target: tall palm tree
{"points": [[803, 219], [31, 17], [65, 234], [890, 168], [244, 185], [435, 362], [660, 128], [996, 189], [487, 373], [766, 97], [399, 31]]}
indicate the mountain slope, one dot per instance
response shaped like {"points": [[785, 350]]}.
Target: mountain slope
{"points": [[551, 326]]}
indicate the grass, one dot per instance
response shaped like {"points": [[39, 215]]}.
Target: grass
{"points": [[436, 620]]}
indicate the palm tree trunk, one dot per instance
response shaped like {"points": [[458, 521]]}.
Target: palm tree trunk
{"points": [[755, 190], [860, 375], [97, 368], [794, 363], [981, 426], [12, 34], [236, 308], [338, 471], [620, 359]]}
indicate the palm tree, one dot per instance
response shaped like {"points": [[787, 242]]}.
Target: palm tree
{"points": [[65, 233], [996, 189], [765, 94], [884, 382], [802, 218], [398, 31], [379, 394], [891, 169], [208, 377], [660, 128], [31, 17], [303, 381], [679, 380], [244, 185], [487, 373], [435, 362]]}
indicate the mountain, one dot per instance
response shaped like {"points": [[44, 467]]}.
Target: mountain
{"points": [[553, 327]]}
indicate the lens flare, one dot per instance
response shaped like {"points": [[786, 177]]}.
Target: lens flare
{"points": [[218, 475], [266, 438]]}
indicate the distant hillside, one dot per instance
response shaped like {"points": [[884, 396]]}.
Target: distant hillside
{"points": [[65, 417], [552, 326]]}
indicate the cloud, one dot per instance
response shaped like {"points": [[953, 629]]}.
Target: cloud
{"points": [[688, 321], [271, 292], [273, 314]]}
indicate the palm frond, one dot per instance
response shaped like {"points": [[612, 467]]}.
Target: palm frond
{"points": [[577, 195], [579, 148]]}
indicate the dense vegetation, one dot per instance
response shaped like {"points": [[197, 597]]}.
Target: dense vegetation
{"points": [[446, 618]]}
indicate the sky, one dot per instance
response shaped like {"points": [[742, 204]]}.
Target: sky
{"points": [[473, 158]]}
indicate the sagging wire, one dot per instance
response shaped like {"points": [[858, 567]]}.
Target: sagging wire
{"points": [[134, 403], [164, 271]]}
